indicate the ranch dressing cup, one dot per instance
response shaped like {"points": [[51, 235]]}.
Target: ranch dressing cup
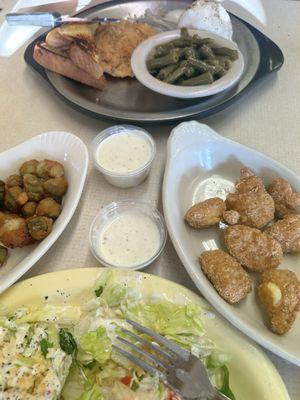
{"points": [[128, 234], [124, 154]]}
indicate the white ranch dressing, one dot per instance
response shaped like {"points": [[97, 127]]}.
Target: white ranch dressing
{"points": [[129, 239], [124, 152]]}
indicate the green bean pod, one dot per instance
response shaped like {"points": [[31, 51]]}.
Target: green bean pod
{"points": [[157, 63], [206, 52], [198, 64], [175, 75], [164, 72], [203, 79], [225, 62], [190, 52], [161, 51], [224, 51], [181, 42], [221, 73], [190, 72], [180, 51], [184, 33], [198, 41]]}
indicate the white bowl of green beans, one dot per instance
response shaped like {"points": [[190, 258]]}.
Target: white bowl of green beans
{"points": [[187, 63]]}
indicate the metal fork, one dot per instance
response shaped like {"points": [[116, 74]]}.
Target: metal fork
{"points": [[176, 367]]}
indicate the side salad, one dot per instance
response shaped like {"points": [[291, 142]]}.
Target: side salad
{"points": [[65, 352]]}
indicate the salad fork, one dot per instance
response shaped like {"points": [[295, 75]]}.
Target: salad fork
{"points": [[176, 367]]}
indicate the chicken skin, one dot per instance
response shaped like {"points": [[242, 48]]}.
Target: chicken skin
{"points": [[226, 274], [279, 294], [251, 200], [287, 232], [206, 213], [254, 249], [285, 198]]}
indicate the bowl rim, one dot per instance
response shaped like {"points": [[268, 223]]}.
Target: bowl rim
{"points": [[142, 51], [131, 204], [115, 130]]}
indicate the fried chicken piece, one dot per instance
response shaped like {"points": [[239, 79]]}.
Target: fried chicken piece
{"points": [[231, 217], [116, 42], [285, 198], [13, 231], [226, 274], [287, 232], [254, 249], [251, 200], [279, 293], [206, 213]]}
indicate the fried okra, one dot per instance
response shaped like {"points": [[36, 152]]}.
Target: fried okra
{"points": [[254, 249], [28, 167], [205, 213], [34, 187], [13, 231], [2, 190], [285, 198], [15, 198], [29, 209], [251, 200], [49, 169], [3, 255], [226, 274], [56, 187], [279, 294], [48, 207], [287, 232], [14, 180], [39, 227]]}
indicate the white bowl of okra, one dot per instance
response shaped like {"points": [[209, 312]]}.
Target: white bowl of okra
{"points": [[187, 63]]}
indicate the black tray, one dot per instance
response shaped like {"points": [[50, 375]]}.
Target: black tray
{"points": [[127, 100]]}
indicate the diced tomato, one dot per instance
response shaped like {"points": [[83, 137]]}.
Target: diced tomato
{"points": [[174, 396], [126, 380]]}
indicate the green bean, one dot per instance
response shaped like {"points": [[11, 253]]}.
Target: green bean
{"points": [[190, 72], [190, 52], [180, 42], [179, 51], [161, 51], [206, 52], [198, 41], [184, 33], [221, 73], [175, 75], [225, 62], [198, 64], [212, 61], [224, 51], [164, 72], [203, 79], [157, 63]]}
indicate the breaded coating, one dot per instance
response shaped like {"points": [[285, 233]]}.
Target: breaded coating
{"points": [[48, 207], [39, 227], [116, 41], [245, 172], [287, 232], [251, 200], [206, 213], [226, 274], [2, 190], [13, 231], [285, 198], [231, 217], [254, 249], [279, 293]]}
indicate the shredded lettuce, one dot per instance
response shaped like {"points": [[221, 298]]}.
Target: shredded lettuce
{"points": [[94, 393], [98, 344], [64, 315]]}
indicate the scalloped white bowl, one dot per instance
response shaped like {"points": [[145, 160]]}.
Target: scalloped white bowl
{"points": [[73, 154], [203, 164], [144, 50]]}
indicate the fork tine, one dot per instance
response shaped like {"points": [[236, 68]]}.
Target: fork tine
{"points": [[179, 351], [144, 353], [142, 364], [152, 346]]}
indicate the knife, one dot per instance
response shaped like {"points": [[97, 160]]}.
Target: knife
{"points": [[49, 19]]}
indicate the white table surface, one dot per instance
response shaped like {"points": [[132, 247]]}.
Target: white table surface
{"points": [[267, 119]]}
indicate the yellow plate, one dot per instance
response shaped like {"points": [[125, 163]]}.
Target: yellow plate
{"points": [[253, 376]]}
